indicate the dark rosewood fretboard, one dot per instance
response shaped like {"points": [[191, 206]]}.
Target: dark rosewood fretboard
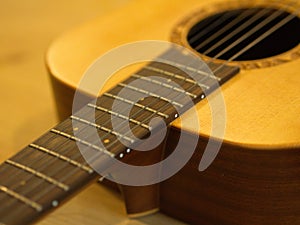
{"points": [[46, 172]]}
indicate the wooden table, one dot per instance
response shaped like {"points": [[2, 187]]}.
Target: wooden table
{"points": [[27, 28]]}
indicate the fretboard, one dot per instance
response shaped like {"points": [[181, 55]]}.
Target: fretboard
{"points": [[49, 170]]}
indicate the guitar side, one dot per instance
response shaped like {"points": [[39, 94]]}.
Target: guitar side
{"points": [[255, 175]]}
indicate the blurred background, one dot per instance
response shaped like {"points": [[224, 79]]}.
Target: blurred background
{"points": [[27, 29], [27, 103]]}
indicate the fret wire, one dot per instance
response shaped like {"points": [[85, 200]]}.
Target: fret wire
{"points": [[59, 169], [164, 85], [177, 76], [220, 78], [83, 142], [107, 130], [136, 116], [62, 157], [201, 95], [142, 107], [21, 198], [73, 138], [150, 93], [175, 64], [27, 153], [223, 65], [119, 115], [136, 104], [69, 136], [38, 174], [166, 104]]}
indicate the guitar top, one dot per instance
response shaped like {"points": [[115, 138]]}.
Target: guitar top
{"points": [[253, 46], [261, 101]]}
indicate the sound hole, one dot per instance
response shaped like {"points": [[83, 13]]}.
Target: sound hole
{"points": [[226, 34]]}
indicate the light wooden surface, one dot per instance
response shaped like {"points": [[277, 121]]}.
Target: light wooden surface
{"points": [[260, 102], [27, 29]]}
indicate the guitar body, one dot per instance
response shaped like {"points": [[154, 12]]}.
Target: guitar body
{"points": [[255, 177]]}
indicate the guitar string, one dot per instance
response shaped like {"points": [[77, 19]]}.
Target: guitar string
{"points": [[266, 34], [218, 22], [39, 160], [263, 36], [205, 30], [231, 24], [233, 33], [242, 17], [53, 137], [270, 31], [273, 16]]}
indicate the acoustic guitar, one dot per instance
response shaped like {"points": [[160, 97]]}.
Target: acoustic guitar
{"points": [[254, 178]]}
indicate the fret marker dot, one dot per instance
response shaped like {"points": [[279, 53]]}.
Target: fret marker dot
{"points": [[202, 96], [55, 203], [106, 141], [128, 150], [121, 155], [176, 115]]}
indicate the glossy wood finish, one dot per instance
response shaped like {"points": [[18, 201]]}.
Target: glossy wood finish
{"points": [[264, 83], [254, 177], [292, 219], [242, 186], [28, 28], [55, 161]]}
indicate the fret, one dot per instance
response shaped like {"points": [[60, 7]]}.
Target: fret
{"points": [[177, 76], [53, 167], [164, 85], [21, 198], [150, 94], [120, 116], [175, 64], [83, 142], [60, 145], [38, 174], [109, 131], [62, 157], [149, 109]]}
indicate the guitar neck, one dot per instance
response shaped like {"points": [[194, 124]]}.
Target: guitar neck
{"points": [[51, 169]]}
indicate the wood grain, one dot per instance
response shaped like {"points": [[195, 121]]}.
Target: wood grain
{"points": [[28, 107], [254, 178], [255, 96]]}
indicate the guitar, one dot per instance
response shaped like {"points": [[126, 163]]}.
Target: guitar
{"points": [[253, 178]]}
